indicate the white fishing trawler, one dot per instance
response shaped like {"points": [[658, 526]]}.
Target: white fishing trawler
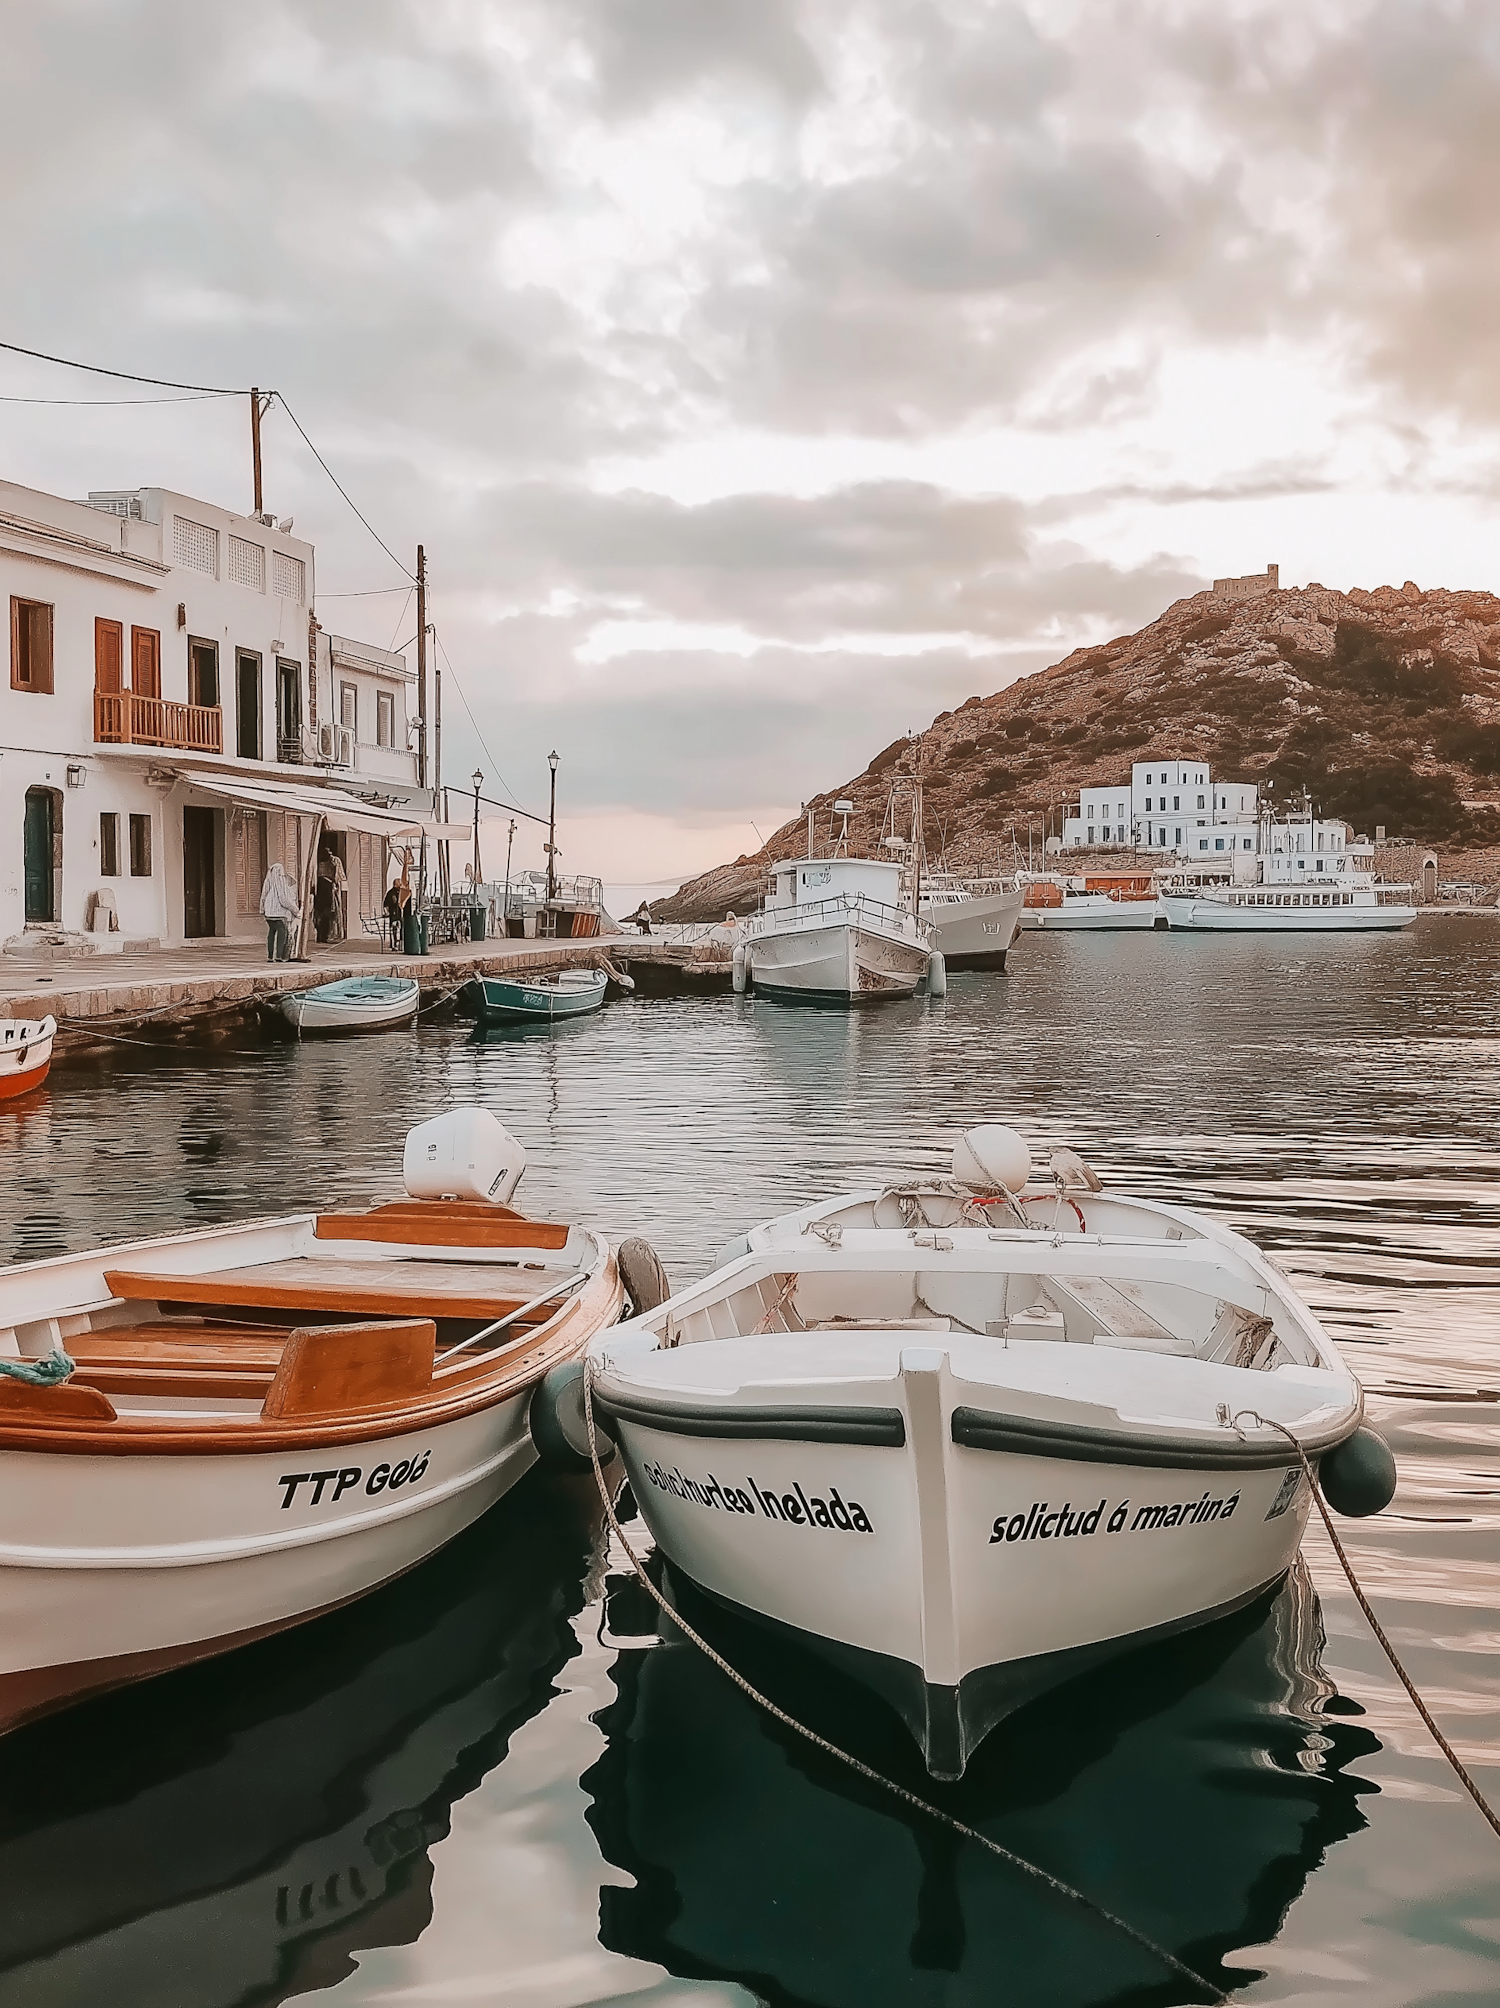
{"points": [[1088, 902], [1305, 876], [964, 1436], [835, 930]]}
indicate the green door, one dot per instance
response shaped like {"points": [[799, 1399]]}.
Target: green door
{"points": [[39, 844]]}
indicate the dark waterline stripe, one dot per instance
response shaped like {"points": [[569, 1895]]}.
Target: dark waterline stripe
{"points": [[884, 1427]]}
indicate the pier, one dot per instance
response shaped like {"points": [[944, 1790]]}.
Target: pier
{"points": [[204, 991]]}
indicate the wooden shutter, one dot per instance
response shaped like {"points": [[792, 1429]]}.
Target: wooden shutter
{"points": [[109, 657], [145, 662]]}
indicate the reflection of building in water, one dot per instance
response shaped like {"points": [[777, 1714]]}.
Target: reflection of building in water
{"points": [[1191, 1787], [235, 1832]]}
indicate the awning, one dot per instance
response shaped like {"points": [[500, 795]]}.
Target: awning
{"points": [[338, 810]]}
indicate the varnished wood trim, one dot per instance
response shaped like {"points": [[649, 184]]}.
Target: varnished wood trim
{"points": [[68, 1402], [397, 1301], [345, 1369], [418, 1232], [596, 1306]]}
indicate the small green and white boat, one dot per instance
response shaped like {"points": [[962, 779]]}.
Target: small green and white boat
{"points": [[353, 1004], [497, 1000]]}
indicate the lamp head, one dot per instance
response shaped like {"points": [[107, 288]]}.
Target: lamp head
{"points": [[552, 761], [478, 779]]}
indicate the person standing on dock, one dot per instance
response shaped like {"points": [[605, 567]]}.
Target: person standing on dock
{"points": [[278, 902]]}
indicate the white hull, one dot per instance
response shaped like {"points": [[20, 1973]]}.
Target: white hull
{"points": [[315, 1014], [976, 931], [1216, 916], [25, 1054], [1091, 913], [964, 1463], [173, 1556], [844, 961]]}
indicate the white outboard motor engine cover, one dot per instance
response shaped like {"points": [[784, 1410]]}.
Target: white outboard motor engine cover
{"points": [[992, 1158], [462, 1154]]}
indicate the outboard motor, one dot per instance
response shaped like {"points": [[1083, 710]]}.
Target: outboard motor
{"points": [[462, 1154]]}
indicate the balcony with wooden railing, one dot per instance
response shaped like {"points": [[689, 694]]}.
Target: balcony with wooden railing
{"points": [[125, 718]]}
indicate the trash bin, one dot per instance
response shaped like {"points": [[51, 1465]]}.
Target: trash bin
{"points": [[476, 923], [411, 934], [425, 924]]}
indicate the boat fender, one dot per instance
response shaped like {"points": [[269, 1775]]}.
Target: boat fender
{"points": [[558, 1427], [937, 975], [992, 1158], [1358, 1476], [741, 970], [616, 975], [644, 1278]]}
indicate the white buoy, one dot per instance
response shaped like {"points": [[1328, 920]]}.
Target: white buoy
{"points": [[741, 976], [992, 1158], [937, 975]]}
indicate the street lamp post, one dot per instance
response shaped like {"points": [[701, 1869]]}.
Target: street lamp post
{"points": [[552, 833], [505, 910], [478, 779]]}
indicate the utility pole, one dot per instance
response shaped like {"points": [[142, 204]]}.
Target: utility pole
{"points": [[505, 910], [421, 656], [256, 411], [552, 835]]}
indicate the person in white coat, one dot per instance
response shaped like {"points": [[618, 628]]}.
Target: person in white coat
{"points": [[278, 902]]}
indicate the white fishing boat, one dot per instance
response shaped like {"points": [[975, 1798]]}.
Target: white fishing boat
{"points": [[25, 1054], [964, 1436], [209, 1436], [973, 921], [353, 1004], [1074, 902], [1305, 876], [836, 931]]}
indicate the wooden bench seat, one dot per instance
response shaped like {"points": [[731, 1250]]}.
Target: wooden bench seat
{"points": [[306, 1284]]}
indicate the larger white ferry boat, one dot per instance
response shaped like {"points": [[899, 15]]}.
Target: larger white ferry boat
{"points": [[1305, 877]]}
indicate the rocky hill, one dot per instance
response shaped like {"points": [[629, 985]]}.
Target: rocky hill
{"points": [[1385, 704]]}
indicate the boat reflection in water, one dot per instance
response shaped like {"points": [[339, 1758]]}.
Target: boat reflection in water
{"points": [[1191, 1787], [235, 1831]]}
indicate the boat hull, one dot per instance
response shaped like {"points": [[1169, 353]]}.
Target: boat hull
{"points": [[1089, 916], [956, 1632], [977, 933], [25, 1056], [335, 1009], [836, 962], [501, 1000], [1202, 916], [147, 1562]]}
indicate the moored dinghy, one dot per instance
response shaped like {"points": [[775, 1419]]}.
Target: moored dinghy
{"points": [[353, 1004], [210, 1436], [570, 993], [966, 1435], [25, 1054]]}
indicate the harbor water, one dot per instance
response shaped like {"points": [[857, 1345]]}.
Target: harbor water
{"points": [[492, 1782]]}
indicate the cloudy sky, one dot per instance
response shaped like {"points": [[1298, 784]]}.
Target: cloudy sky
{"points": [[764, 376]]}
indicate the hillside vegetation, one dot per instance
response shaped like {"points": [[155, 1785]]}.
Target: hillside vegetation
{"points": [[1385, 705]]}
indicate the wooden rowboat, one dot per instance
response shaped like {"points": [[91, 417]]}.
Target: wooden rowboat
{"points": [[213, 1435], [25, 1054], [354, 1004], [496, 1000]]}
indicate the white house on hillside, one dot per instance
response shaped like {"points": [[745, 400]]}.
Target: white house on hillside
{"points": [[173, 717], [1167, 805]]}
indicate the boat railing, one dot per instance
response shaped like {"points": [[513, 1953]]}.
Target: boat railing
{"points": [[839, 907]]}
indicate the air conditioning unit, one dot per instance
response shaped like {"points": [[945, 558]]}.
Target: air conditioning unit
{"points": [[328, 742], [346, 746]]}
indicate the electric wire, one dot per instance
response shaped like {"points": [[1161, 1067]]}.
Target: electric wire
{"points": [[405, 570], [125, 376], [856, 1764], [478, 734], [100, 403]]}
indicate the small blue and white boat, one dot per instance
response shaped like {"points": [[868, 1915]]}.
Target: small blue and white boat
{"points": [[570, 993], [354, 1004]]}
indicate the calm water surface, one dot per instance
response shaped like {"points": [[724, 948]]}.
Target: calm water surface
{"points": [[488, 1784]]}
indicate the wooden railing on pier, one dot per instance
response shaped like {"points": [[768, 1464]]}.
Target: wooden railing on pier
{"points": [[124, 718]]}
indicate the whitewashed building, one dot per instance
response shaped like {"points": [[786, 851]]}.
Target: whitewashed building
{"points": [[173, 717], [1168, 805]]}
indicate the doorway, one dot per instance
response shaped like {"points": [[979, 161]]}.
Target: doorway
{"points": [[288, 711], [247, 704], [331, 889], [200, 906], [42, 848]]}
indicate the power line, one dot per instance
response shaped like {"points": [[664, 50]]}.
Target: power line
{"points": [[90, 403], [125, 376], [483, 742], [366, 593], [403, 569]]}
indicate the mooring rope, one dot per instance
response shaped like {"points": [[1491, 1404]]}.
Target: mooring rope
{"points": [[856, 1764], [1375, 1625]]}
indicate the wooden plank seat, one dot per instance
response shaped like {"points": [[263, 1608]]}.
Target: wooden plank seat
{"points": [[302, 1283], [200, 1361], [442, 1223]]}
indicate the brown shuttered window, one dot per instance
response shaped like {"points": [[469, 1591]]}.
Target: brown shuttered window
{"points": [[30, 645], [109, 657], [145, 662]]}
